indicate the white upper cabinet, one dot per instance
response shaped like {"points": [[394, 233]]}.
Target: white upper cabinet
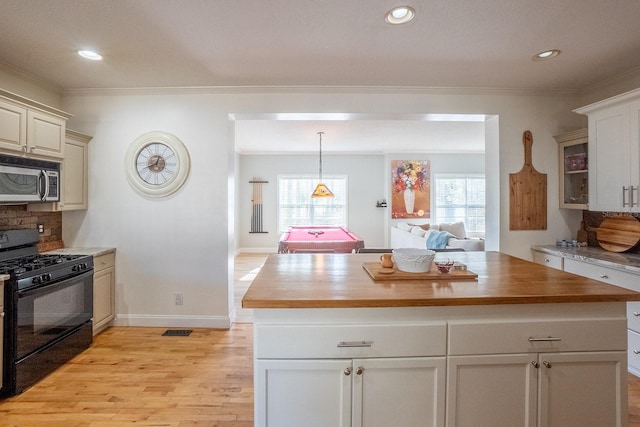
{"points": [[28, 128], [574, 169], [614, 153]]}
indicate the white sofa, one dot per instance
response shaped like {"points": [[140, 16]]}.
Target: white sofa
{"points": [[404, 235]]}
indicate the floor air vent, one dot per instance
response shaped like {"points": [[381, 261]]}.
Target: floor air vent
{"points": [[177, 332]]}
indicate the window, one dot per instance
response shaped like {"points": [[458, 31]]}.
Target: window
{"points": [[461, 198], [296, 207]]}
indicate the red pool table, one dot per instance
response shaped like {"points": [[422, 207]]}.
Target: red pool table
{"points": [[318, 239]]}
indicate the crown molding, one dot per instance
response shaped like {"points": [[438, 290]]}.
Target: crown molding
{"points": [[395, 90], [620, 78], [30, 78]]}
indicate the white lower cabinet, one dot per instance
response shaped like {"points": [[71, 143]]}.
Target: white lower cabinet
{"points": [[479, 387], [546, 389], [549, 260], [104, 279], [359, 392], [350, 375], [544, 374], [549, 365], [582, 389]]}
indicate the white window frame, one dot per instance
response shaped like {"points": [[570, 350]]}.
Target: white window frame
{"points": [[454, 176], [314, 179]]}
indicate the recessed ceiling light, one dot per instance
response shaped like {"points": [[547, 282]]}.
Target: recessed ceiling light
{"points": [[89, 54], [400, 15], [547, 54]]}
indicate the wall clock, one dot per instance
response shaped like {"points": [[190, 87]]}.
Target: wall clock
{"points": [[157, 164]]}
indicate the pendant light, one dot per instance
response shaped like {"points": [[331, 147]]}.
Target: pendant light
{"points": [[321, 189]]}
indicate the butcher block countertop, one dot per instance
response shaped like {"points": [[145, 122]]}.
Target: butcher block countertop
{"points": [[340, 281]]}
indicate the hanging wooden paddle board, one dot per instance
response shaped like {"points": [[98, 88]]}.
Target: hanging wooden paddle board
{"points": [[527, 194], [618, 234]]}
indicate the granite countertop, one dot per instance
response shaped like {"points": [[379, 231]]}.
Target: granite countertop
{"points": [[340, 281], [625, 261], [82, 251]]}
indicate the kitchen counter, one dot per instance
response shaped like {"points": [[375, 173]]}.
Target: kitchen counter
{"points": [[625, 261], [326, 335], [82, 251], [339, 281]]}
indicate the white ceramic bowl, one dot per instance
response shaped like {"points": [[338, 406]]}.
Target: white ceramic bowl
{"points": [[413, 260]]}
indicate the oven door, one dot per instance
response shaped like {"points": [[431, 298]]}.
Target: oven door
{"points": [[51, 312]]}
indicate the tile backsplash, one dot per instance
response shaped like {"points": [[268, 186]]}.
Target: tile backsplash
{"points": [[15, 217]]}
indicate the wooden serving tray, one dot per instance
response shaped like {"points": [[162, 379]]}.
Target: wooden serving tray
{"points": [[377, 272]]}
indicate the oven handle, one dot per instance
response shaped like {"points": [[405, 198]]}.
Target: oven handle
{"points": [[50, 286]]}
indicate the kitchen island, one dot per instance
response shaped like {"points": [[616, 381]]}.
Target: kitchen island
{"points": [[524, 344]]}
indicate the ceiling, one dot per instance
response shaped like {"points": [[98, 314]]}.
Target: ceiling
{"points": [[453, 43]]}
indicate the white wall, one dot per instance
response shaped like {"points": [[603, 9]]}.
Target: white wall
{"points": [[181, 243], [365, 178], [368, 179]]}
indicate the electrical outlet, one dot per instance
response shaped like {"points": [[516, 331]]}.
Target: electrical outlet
{"points": [[178, 298], [40, 228]]}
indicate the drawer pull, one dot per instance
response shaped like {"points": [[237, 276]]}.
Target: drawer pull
{"points": [[547, 260], [636, 351], [342, 344], [604, 276], [532, 339], [635, 313]]}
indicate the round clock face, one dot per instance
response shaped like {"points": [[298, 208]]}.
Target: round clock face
{"points": [[157, 164]]}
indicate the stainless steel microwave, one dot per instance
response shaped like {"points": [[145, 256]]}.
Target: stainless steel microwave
{"points": [[24, 180]]}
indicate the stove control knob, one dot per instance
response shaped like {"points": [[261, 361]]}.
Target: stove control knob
{"points": [[36, 280], [46, 277]]}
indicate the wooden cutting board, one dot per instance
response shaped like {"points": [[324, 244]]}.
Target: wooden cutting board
{"points": [[618, 234], [527, 194], [377, 272]]}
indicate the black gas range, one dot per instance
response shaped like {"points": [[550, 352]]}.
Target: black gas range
{"points": [[39, 269], [48, 309]]}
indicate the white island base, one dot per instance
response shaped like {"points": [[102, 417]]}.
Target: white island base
{"points": [[556, 365]]}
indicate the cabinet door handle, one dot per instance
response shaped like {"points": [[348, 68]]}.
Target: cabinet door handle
{"points": [[532, 339], [547, 260], [347, 371], [636, 351], [635, 313], [631, 190], [624, 196], [547, 364], [535, 364], [604, 276], [359, 370], [342, 344]]}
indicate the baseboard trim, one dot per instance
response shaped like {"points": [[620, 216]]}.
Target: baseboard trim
{"points": [[146, 320], [269, 250]]}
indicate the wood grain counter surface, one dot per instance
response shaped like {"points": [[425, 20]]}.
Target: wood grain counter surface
{"points": [[339, 281]]}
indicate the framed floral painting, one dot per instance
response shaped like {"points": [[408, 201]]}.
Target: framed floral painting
{"points": [[410, 189]]}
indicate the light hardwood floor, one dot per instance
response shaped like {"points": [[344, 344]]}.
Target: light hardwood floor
{"points": [[135, 377]]}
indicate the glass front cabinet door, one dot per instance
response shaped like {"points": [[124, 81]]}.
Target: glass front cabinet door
{"points": [[574, 169]]}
